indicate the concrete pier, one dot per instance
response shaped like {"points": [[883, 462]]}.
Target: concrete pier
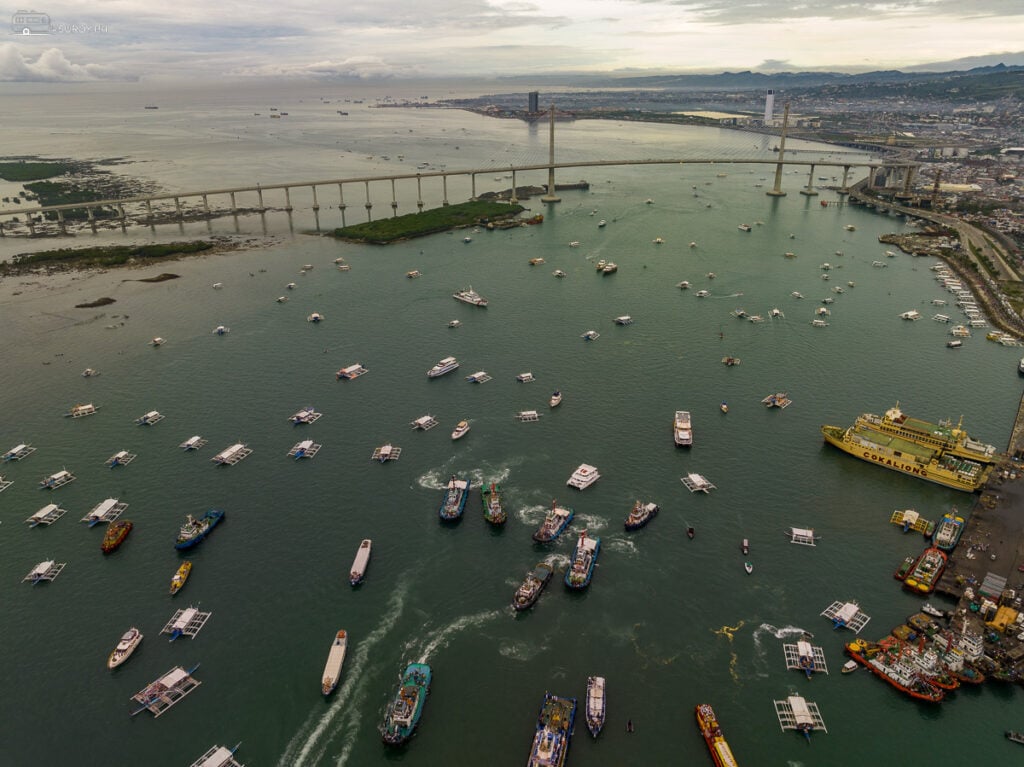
{"points": [[550, 196], [776, 190], [316, 205], [287, 199], [809, 190]]}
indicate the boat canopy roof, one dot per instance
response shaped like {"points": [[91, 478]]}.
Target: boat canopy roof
{"points": [[173, 677]]}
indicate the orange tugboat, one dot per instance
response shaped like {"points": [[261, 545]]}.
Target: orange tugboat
{"points": [[115, 535], [709, 728]]}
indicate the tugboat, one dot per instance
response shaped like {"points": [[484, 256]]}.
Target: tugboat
{"points": [[924, 577], [180, 577], [403, 713], [491, 499], [554, 731], [584, 557], [554, 523], [596, 702], [948, 531], [454, 501], [129, 641], [641, 514], [194, 530], [531, 587], [893, 668], [115, 535]]}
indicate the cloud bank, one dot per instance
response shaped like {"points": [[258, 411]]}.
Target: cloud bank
{"points": [[50, 66]]}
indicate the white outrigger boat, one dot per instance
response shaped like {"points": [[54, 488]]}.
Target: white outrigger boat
{"points": [[335, 659]]}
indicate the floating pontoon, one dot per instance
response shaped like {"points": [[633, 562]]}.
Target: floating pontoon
{"points": [[121, 458], [59, 479], [46, 515], [478, 377], [18, 452], [160, 695], [305, 449], [386, 453], [527, 415], [232, 455], [187, 622], [218, 756], [44, 571], [846, 615], [193, 443], [352, 371], [424, 423], [795, 713], [803, 535], [805, 657], [695, 482], [306, 415], [107, 511], [150, 418]]}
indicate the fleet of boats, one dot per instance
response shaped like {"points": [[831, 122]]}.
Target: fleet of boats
{"points": [[532, 586], [554, 732], [939, 453], [405, 709], [335, 659]]}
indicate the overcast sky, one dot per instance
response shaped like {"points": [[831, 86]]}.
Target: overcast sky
{"points": [[109, 39]]}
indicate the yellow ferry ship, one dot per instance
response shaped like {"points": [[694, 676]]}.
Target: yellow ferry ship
{"points": [[938, 453]]}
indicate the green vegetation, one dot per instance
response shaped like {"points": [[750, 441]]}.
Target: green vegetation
{"points": [[100, 257], [427, 222], [67, 193], [33, 171]]}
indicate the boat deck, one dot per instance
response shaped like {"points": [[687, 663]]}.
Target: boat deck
{"points": [[193, 443], [46, 515], [122, 458], [527, 415], [795, 713], [352, 371], [424, 423], [186, 622], [846, 615], [44, 571], [218, 756], [306, 415], [479, 377], [18, 452], [305, 449], [105, 511], [897, 444], [793, 654], [697, 482], [386, 453], [169, 689], [232, 455]]}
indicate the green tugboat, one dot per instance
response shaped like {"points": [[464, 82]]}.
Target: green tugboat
{"points": [[493, 512], [403, 713]]}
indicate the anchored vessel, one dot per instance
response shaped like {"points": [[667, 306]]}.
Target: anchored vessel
{"points": [[531, 587], [554, 523], [554, 731], [447, 365], [707, 722], [336, 657], [947, 534], [641, 514], [129, 641], [584, 557], [454, 502], [115, 535], [894, 669], [939, 453], [194, 530], [491, 498], [403, 713], [584, 476], [681, 430], [358, 571], [179, 578], [469, 296], [596, 702]]}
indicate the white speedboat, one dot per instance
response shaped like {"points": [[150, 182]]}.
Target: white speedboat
{"points": [[556, 398], [129, 641], [335, 659], [584, 476], [447, 365], [460, 430]]}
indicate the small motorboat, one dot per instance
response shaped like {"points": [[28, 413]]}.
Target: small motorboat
{"points": [[745, 547], [748, 567], [690, 532], [724, 408], [849, 667], [556, 399], [928, 609], [460, 430], [158, 341]]}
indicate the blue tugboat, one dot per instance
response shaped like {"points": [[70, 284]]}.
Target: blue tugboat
{"points": [[455, 494], [194, 530], [641, 514], [554, 731], [554, 523], [581, 569], [403, 713]]}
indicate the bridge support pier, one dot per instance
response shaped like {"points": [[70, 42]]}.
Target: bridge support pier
{"points": [[316, 205], [177, 206], [394, 200], [206, 205], [472, 187], [92, 218], [776, 190], [369, 205], [419, 193], [444, 191], [513, 199], [60, 222], [2, 232], [845, 187], [120, 215], [234, 207], [551, 196], [31, 227], [149, 210], [341, 203], [809, 189], [287, 199], [259, 194]]}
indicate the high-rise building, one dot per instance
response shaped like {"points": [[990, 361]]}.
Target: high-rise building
{"points": [[534, 103], [769, 106]]}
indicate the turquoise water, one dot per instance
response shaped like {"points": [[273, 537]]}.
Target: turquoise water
{"points": [[670, 622]]}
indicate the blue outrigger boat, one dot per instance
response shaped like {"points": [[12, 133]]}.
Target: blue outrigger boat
{"points": [[584, 557], [454, 502], [404, 712], [554, 731], [194, 530]]}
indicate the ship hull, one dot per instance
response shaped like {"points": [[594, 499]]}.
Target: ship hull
{"points": [[933, 696], [931, 471]]}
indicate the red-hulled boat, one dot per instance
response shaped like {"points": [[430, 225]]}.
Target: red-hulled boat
{"points": [[115, 535], [712, 732], [924, 576], [890, 665]]}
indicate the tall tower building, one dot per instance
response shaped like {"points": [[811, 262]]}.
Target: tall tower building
{"points": [[769, 106], [534, 102]]}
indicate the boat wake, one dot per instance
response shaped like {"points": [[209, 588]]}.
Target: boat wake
{"points": [[589, 522], [621, 545], [519, 650], [779, 633], [441, 638], [533, 515], [437, 479], [308, 745]]}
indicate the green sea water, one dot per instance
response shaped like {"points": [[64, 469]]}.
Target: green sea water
{"points": [[668, 621]]}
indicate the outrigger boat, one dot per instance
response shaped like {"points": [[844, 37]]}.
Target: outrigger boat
{"points": [[491, 498], [531, 587], [641, 514], [180, 577], [596, 704], [404, 711], [554, 523]]}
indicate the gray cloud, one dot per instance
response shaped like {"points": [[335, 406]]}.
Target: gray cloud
{"points": [[50, 66], [758, 11]]}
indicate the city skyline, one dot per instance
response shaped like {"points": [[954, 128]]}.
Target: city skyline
{"points": [[130, 40]]}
